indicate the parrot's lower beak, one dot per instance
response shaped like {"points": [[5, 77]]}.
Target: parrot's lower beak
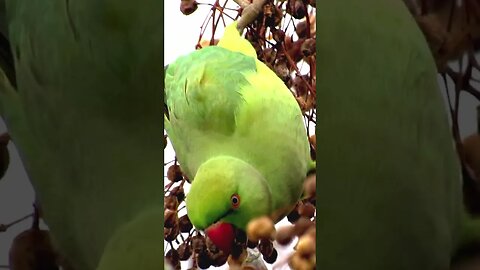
{"points": [[222, 235]]}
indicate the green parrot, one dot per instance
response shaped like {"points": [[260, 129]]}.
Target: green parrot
{"points": [[238, 132], [86, 119], [389, 181]]}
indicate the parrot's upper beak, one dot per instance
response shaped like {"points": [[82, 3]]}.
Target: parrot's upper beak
{"points": [[222, 235]]}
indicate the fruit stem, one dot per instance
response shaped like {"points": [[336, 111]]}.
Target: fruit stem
{"points": [[3, 228], [478, 119], [36, 218]]}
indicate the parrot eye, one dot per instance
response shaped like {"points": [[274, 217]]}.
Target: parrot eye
{"points": [[235, 199]]}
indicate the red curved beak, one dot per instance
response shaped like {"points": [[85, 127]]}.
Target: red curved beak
{"points": [[222, 235]]}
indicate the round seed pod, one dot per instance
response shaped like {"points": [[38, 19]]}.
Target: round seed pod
{"points": [[297, 262], [252, 244], [184, 251], [218, 259], [172, 257], [306, 246], [174, 173], [211, 246], [285, 235], [178, 192], [306, 210], [272, 257], [301, 29], [260, 228], [203, 260], [265, 247], [170, 202], [170, 218], [187, 7], [31, 250], [185, 224], [308, 47], [199, 243], [302, 225], [170, 234]]}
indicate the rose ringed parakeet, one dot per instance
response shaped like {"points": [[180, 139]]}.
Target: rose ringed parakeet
{"points": [[238, 133]]}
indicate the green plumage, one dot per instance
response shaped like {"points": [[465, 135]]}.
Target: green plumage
{"points": [[86, 118], [389, 184], [229, 111]]}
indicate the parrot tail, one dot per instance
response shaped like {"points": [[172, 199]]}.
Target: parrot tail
{"points": [[233, 41]]}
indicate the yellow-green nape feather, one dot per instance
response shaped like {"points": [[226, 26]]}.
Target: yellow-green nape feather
{"points": [[233, 41]]}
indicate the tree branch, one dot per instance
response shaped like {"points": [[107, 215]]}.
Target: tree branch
{"points": [[249, 13]]}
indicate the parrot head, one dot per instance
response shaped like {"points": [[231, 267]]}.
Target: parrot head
{"points": [[225, 195]]}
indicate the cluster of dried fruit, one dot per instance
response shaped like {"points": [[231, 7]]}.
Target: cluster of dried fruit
{"points": [[32, 249], [283, 34], [452, 30], [261, 233]]}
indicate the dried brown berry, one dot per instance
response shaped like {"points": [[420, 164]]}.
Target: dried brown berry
{"points": [[174, 173], [170, 234], [252, 244], [278, 35], [272, 257], [170, 202], [285, 235], [184, 251], [237, 257], [295, 51], [179, 192], [240, 236], [298, 263], [308, 47], [306, 210], [302, 225], [218, 259], [300, 85], [172, 257], [269, 55], [260, 228], [185, 224], [306, 246], [33, 247], [238, 251], [170, 218], [301, 29], [187, 7], [281, 69], [211, 246], [297, 9], [265, 247], [203, 260], [199, 243]]}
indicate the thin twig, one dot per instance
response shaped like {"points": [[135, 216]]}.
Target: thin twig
{"points": [[4, 227]]}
